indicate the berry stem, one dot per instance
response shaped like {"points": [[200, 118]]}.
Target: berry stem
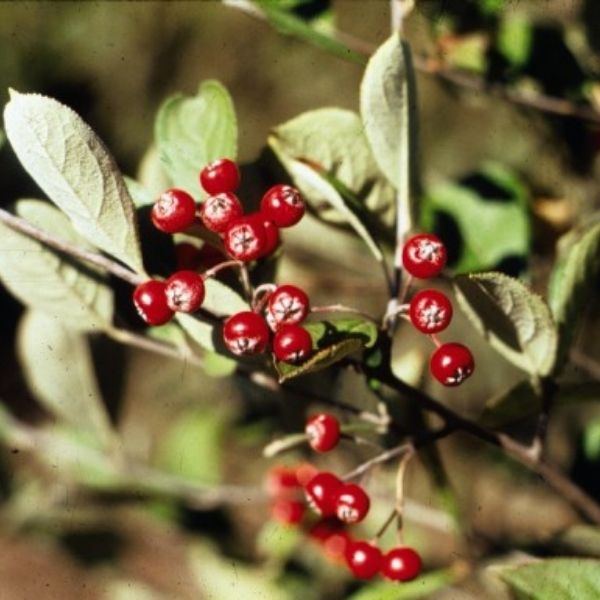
{"points": [[281, 445], [222, 266], [436, 341], [261, 295], [99, 260], [385, 526], [341, 308], [404, 460], [245, 278]]}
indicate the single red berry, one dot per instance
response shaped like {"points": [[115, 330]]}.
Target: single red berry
{"points": [[363, 559], [401, 564], [220, 176], [287, 305], [282, 482], [245, 239], [187, 256], [332, 537], [424, 256], [174, 211], [292, 344], [321, 493], [430, 311], [451, 364], [209, 256], [185, 291], [323, 432], [352, 503], [150, 301], [283, 205], [287, 512], [305, 472], [218, 212], [272, 235], [246, 333]]}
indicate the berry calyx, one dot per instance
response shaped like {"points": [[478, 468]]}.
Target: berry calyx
{"points": [[287, 305], [185, 291], [174, 211], [352, 503], [451, 364], [424, 255], [246, 333], [287, 512], [401, 564], [363, 559], [282, 482], [283, 205], [321, 493], [430, 311], [220, 176], [245, 239], [323, 432], [218, 212], [292, 344], [150, 301]]}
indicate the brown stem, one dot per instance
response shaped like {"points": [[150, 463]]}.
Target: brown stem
{"points": [[341, 308], [548, 389], [93, 258]]}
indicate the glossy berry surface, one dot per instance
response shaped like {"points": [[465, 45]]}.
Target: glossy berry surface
{"points": [[272, 237], [323, 432], [292, 344], [424, 256], [287, 512], [352, 503], [321, 493], [363, 559], [451, 364], [174, 211], [218, 212], [185, 291], [430, 311], [287, 305], [401, 564], [245, 239], [283, 205], [332, 537], [246, 333], [282, 482], [220, 176], [150, 301]]}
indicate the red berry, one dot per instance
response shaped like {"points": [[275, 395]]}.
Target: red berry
{"points": [[218, 212], [292, 344], [287, 305], [401, 564], [321, 493], [185, 291], [305, 472], [287, 512], [187, 256], [352, 503], [424, 256], [332, 537], [430, 311], [209, 256], [323, 432], [282, 482], [272, 233], [174, 211], [246, 333], [245, 239], [451, 364], [220, 176], [283, 205], [150, 301], [363, 559]]}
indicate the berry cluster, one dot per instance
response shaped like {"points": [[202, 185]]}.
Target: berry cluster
{"points": [[249, 332], [430, 311], [337, 505]]}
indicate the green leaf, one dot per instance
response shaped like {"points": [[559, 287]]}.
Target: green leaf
{"points": [[151, 173], [515, 38], [332, 340], [139, 194], [581, 540], [514, 320], [591, 438], [57, 365], [193, 131], [221, 300], [71, 292], [334, 139], [573, 281], [555, 579], [70, 163], [521, 401], [493, 226], [469, 53]]}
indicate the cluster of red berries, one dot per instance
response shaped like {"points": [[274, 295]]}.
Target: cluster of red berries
{"points": [[337, 504], [430, 311], [249, 332]]}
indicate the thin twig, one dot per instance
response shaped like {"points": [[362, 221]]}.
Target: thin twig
{"points": [[99, 260], [585, 362], [341, 308], [548, 389]]}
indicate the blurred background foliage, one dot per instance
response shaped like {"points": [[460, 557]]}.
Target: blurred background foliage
{"points": [[500, 181]]}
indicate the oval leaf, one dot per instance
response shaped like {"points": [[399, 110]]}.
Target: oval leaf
{"points": [[193, 131], [70, 163], [222, 300], [40, 278], [514, 320]]}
